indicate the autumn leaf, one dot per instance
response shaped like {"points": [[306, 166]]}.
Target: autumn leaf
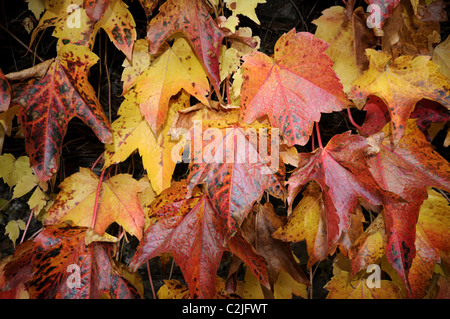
{"points": [[401, 83], [244, 7], [118, 202], [193, 19], [431, 242], [73, 24], [340, 287], [343, 174], [441, 56], [348, 38], [235, 174], [307, 222], [12, 229], [293, 88], [47, 106], [406, 170], [177, 68], [369, 248], [58, 254], [191, 231], [12, 170], [257, 229], [131, 131]]}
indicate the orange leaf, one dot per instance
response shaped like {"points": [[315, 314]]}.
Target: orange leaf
{"points": [[118, 202]]}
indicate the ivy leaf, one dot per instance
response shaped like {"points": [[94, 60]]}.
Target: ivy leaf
{"points": [[59, 252], [257, 229], [177, 68], [307, 222], [348, 37], [343, 174], [118, 202], [235, 176], [244, 7], [193, 19], [12, 229], [131, 131], [191, 231], [293, 88], [401, 83], [49, 103], [406, 170], [73, 23]]}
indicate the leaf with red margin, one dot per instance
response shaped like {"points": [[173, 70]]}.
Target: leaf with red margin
{"points": [[5, 92], [193, 19], [191, 230], [343, 174], [50, 256], [293, 88], [47, 106], [235, 174], [406, 170]]}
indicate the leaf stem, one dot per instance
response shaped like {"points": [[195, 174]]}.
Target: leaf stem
{"points": [[319, 139], [99, 185], [151, 280], [350, 117], [26, 227]]}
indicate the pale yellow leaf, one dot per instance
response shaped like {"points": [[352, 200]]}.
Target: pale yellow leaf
{"points": [[441, 56], [13, 228], [244, 7]]}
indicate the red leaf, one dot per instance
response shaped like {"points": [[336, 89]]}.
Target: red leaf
{"points": [[406, 170], [55, 253], [193, 19], [191, 231], [234, 181], [293, 88], [343, 174], [47, 106]]}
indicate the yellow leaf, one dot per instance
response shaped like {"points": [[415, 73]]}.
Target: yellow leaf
{"points": [[441, 56], [244, 7], [348, 38], [92, 235], [401, 83], [37, 7], [37, 201], [229, 62], [177, 68], [340, 287], [369, 248], [72, 24], [12, 229], [140, 61], [12, 170], [117, 200], [307, 222], [131, 131], [24, 185], [284, 287]]}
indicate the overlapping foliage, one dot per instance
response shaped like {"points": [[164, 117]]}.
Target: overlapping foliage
{"points": [[387, 168]]}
